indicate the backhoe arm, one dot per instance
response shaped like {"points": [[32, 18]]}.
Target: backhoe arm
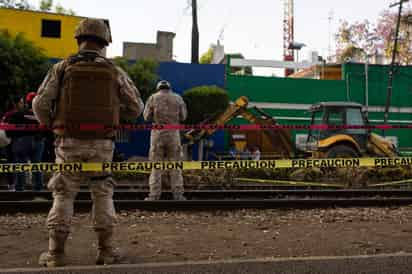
{"points": [[231, 112], [280, 139]]}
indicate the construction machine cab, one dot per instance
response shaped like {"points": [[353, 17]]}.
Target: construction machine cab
{"points": [[339, 142]]}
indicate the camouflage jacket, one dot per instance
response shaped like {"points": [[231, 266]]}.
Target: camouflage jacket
{"points": [[165, 107]]}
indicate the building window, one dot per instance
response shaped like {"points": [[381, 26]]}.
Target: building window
{"points": [[51, 28]]}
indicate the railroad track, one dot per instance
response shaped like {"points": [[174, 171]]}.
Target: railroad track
{"points": [[8, 207], [124, 187], [205, 187], [11, 202], [224, 194]]}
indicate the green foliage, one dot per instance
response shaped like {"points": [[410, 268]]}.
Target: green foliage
{"points": [[365, 38], [204, 103], [46, 5], [61, 10], [350, 52], [206, 57], [21, 4], [239, 70], [143, 74], [23, 67]]}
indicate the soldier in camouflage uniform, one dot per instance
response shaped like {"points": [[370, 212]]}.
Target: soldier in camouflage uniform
{"points": [[85, 88], [165, 107]]}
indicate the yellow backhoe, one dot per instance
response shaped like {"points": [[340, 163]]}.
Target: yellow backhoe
{"points": [[320, 143], [345, 142]]}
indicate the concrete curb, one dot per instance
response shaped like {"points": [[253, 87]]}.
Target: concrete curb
{"points": [[383, 263]]}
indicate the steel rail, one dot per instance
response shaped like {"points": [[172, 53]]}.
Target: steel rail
{"points": [[223, 194], [241, 186], [8, 207]]}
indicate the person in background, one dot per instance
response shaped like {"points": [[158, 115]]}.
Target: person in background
{"points": [[233, 152], [245, 155], [165, 107], [16, 104], [255, 153], [27, 146]]}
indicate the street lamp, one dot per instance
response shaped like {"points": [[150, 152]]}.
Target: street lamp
{"points": [[296, 46]]}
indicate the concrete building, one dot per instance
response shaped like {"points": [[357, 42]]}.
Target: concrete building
{"points": [[161, 51], [52, 32]]}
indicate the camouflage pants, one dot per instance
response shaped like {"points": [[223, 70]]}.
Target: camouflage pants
{"points": [[166, 149], [66, 185]]}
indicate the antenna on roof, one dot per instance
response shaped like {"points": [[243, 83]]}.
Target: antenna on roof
{"points": [[221, 34]]}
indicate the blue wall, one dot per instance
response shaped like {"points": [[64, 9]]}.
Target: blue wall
{"points": [[182, 76]]}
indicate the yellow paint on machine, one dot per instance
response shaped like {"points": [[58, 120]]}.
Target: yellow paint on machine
{"points": [[35, 27]]}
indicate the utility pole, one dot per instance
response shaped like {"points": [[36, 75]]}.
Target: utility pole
{"points": [[195, 34], [393, 62]]}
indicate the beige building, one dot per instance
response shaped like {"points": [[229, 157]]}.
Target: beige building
{"points": [[161, 51]]}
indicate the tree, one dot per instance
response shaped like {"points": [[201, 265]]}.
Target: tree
{"points": [[354, 40], [61, 10], [46, 5], [207, 57], [360, 38], [239, 70], [21, 4], [205, 102], [23, 67], [143, 74]]}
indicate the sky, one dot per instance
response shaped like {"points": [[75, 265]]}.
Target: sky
{"points": [[253, 28]]}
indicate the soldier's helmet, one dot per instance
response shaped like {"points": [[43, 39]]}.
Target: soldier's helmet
{"points": [[93, 28], [163, 85]]}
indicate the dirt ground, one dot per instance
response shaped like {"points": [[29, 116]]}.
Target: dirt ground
{"points": [[179, 236]]}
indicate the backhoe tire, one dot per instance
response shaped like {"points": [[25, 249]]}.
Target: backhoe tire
{"points": [[341, 151]]}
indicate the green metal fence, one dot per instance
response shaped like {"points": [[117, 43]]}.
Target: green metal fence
{"points": [[288, 99]]}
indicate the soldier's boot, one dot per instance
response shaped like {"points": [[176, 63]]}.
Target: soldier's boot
{"points": [[54, 257], [107, 253]]}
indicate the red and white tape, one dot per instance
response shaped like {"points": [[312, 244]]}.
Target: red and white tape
{"points": [[135, 127]]}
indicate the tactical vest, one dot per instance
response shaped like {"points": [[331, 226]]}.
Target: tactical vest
{"points": [[166, 107], [89, 95]]}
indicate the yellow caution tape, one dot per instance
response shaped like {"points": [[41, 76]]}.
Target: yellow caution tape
{"points": [[291, 183], [408, 181], [207, 165]]}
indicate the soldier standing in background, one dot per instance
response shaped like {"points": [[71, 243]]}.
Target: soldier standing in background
{"points": [[165, 107], [86, 88]]}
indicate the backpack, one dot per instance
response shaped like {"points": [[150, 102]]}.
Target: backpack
{"points": [[89, 95]]}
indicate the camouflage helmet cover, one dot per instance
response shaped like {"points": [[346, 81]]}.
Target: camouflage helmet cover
{"points": [[163, 84], [94, 27]]}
